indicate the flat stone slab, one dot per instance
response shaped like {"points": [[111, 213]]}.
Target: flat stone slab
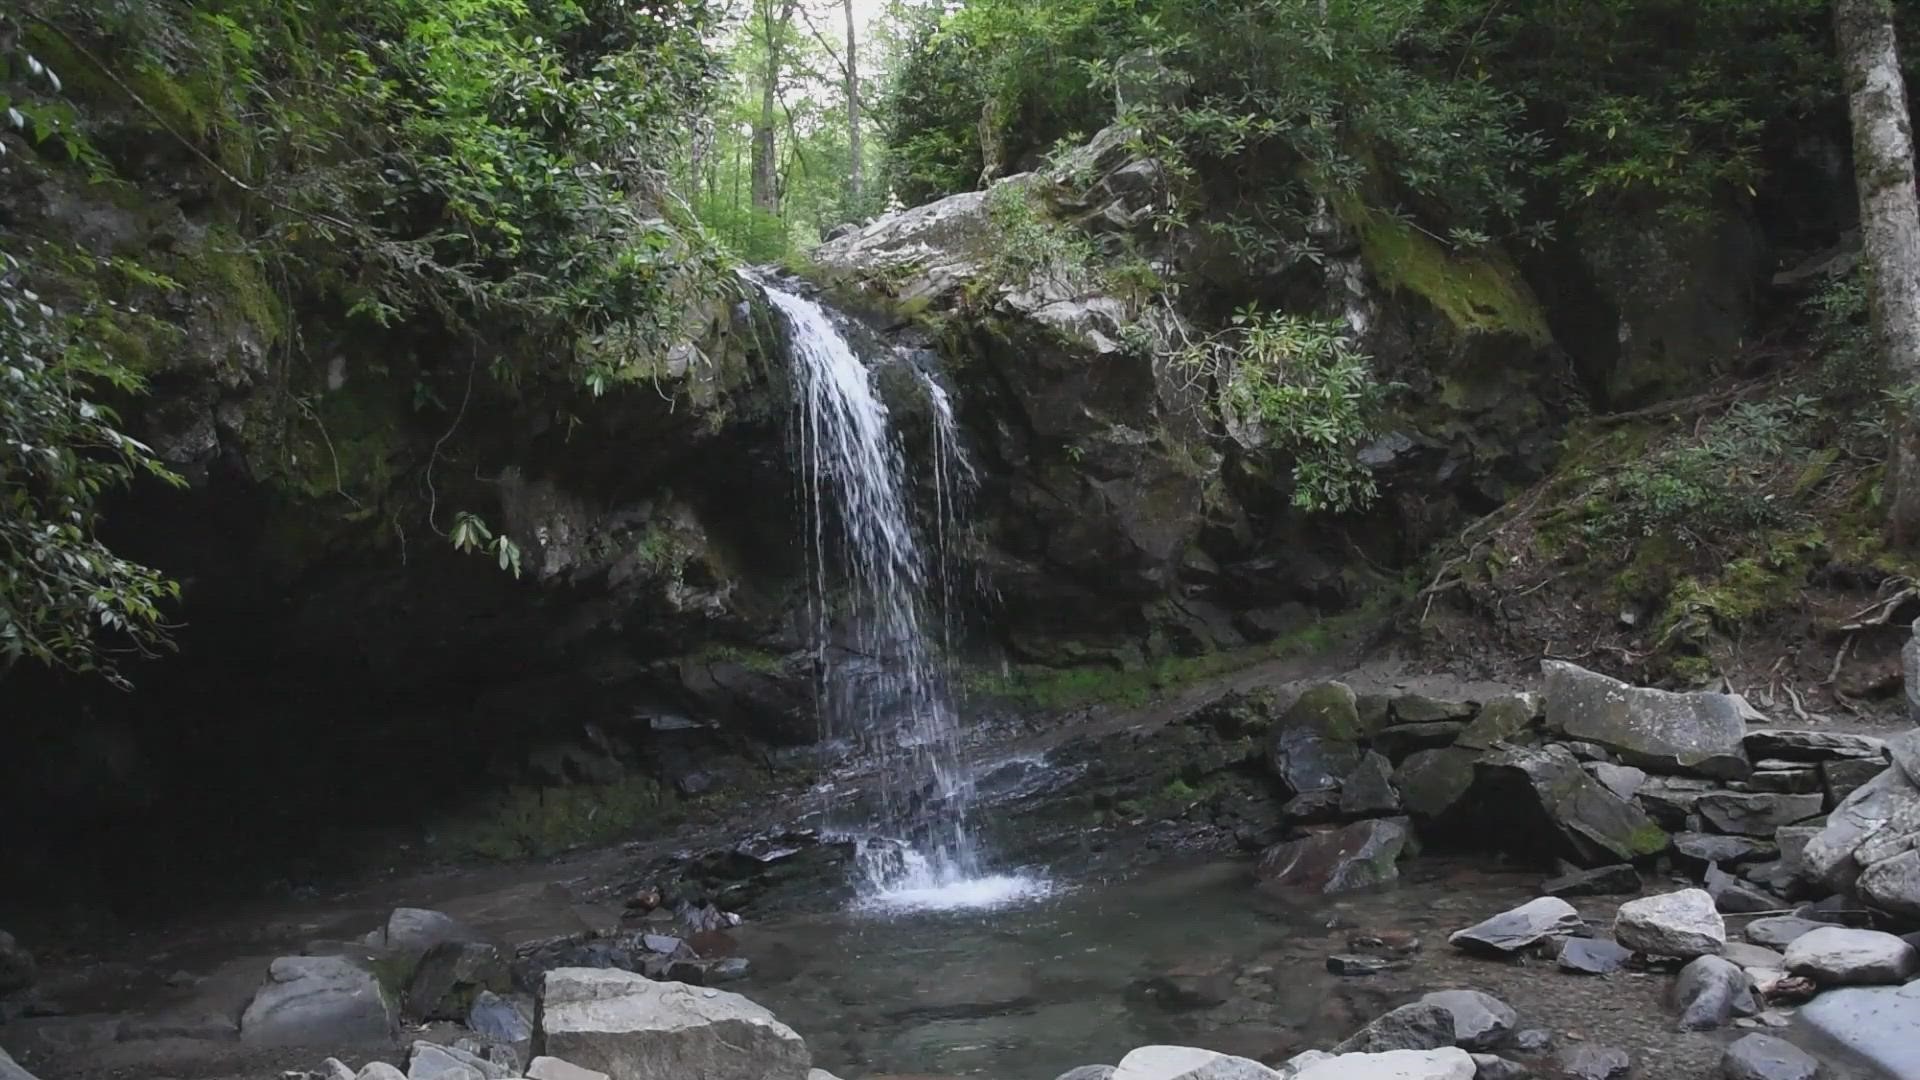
{"points": [[1881, 1024], [1791, 744], [1652, 729], [1843, 956], [1523, 927]]}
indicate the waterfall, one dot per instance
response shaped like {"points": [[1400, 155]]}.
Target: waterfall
{"points": [[874, 611]]}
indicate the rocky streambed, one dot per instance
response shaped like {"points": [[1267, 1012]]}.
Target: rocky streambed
{"points": [[1582, 879]]}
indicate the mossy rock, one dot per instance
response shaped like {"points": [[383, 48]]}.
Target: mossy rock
{"points": [[1330, 710], [1478, 293]]}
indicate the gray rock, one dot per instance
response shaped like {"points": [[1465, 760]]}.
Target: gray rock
{"points": [[415, 930], [1494, 1067], [1368, 789], [10, 1069], [1683, 924], [1500, 720], [1904, 749], [625, 1024], [1670, 800], [1815, 746], [1355, 856], [450, 977], [1710, 991], [1531, 923], [1089, 1072], [1736, 897], [1432, 782], [1653, 729], [317, 1001], [335, 1069], [1804, 780], [1748, 955], [1589, 1062], [431, 1061], [1763, 1057], [1622, 780], [379, 1070], [1419, 1026], [500, 1018], [1551, 803], [1779, 931], [1480, 1021], [1188, 1063], [17, 969], [1881, 1024], [1829, 856], [1756, 813], [1843, 956], [1600, 881], [1532, 1041], [552, 1068], [1315, 744], [1843, 777], [1593, 956], [1894, 884], [1446, 1063], [1698, 850], [1792, 841]]}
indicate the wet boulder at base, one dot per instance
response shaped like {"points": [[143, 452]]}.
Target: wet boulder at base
{"points": [[450, 978], [1188, 1063], [1315, 744], [1336, 860], [1480, 1021], [625, 1024], [1444, 1063], [1656, 730], [1763, 1057], [1833, 857], [1710, 991], [1879, 1023]]}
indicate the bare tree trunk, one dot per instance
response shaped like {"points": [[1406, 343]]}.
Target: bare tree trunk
{"points": [[856, 169], [766, 166], [1890, 225]]}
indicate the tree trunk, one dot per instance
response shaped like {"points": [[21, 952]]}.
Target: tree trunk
{"points": [[1890, 226], [856, 169], [766, 174]]}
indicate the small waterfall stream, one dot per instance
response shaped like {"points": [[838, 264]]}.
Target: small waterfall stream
{"points": [[876, 608]]}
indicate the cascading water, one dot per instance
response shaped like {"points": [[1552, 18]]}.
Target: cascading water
{"points": [[881, 682]]}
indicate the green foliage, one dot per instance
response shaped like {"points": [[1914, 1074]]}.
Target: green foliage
{"points": [[66, 600], [1030, 246], [1307, 390], [470, 533]]}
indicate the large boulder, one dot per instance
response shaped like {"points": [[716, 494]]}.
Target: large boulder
{"points": [[317, 1001], [1653, 729], [1894, 884], [432, 1061], [1843, 956], [1684, 924], [1316, 743], [1432, 783], [1545, 800], [1829, 857], [1336, 860], [552, 1068], [1881, 1024], [1756, 813], [625, 1024]]}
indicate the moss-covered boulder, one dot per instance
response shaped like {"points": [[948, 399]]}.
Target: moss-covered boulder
{"points": [[1541, 802]]}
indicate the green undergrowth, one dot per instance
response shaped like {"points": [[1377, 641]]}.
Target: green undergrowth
{"points": [[1706, 522], [526, 821], [1056, 689]]}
